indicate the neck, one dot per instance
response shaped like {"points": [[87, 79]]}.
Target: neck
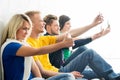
{"points": [[49, 32], [63, 31], [34, 35]]}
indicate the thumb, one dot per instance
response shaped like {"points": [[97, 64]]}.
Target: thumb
{"points": [[67, 36]]}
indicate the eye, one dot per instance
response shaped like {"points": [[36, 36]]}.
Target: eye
{"points": [[41, 20], [25, 28]]}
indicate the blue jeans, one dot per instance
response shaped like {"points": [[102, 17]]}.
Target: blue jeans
{"points": [[79, 60], [61, 76], [88, 73]]}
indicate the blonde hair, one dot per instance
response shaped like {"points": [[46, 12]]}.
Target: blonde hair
{"points": [[13, 25], [32, 13]]}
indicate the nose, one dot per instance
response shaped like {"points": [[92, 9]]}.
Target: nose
{"points": [[26, 31], [59, 27], [44, 23]]}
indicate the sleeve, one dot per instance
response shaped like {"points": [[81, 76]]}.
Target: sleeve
{"points": [[50, 39], [12, 48], [81, 42]]}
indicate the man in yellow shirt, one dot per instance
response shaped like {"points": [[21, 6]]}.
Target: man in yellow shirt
{"points": [[47, 70], [101, 69]]}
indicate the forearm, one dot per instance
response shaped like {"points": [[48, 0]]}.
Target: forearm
{"points": [[45, 73], [78, 31], [35, 70], [60, 37], [51, 48], [29, 51], [81, 42]]}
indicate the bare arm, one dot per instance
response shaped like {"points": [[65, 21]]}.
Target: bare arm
{"points": [[29, 51], [78, 31], [35, 70], [102, 33], [45, 73]]}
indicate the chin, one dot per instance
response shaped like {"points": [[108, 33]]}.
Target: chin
{"points": [[57, 33], [41, 31]]}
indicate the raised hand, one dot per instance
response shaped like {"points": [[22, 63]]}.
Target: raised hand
{"points": [[98, 19], [102, 33], [107, 30], [68, 41]]}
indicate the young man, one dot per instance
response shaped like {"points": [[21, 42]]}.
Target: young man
{"points": [[77, 64], [53, 28], [64, 55]]}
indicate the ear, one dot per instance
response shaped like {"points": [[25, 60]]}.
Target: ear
{"points": [[48, 28]]}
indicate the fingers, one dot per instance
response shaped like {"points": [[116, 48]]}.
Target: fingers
{"points": [[100, 18], [106, 31], [69, 39], [102, 30], [67, 36], [77, 74]]}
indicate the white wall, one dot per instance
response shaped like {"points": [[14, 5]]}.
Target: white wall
{"points": [[81, 12]]}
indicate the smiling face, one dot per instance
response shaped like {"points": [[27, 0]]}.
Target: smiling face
{"points": [[23, 31], [66, 26], [54, 27], [38, 23]]}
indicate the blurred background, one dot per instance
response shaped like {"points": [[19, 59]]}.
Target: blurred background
{"points": [[81, 12]]}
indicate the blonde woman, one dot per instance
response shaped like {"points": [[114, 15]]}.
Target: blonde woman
{"points": [[16, 60]]}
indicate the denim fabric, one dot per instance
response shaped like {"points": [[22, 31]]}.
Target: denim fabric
{"points": [[88, 73], [37, 78], [89, 57], [75, 53], [62, 76]]}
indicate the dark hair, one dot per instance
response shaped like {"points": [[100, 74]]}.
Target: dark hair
{"points": [[62, 20], [24, 17], [48, 19]]}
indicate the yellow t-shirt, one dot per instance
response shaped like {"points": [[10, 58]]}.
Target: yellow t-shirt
{"points": [[40, 42]]}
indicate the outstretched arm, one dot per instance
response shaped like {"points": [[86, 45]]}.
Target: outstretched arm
{"points": [[29, 51], [84, 41], [81, 42], [78, 31]]}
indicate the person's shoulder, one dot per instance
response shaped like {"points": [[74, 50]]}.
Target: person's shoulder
{"points": [[13, 45], [46, 37], [11, 48]]}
